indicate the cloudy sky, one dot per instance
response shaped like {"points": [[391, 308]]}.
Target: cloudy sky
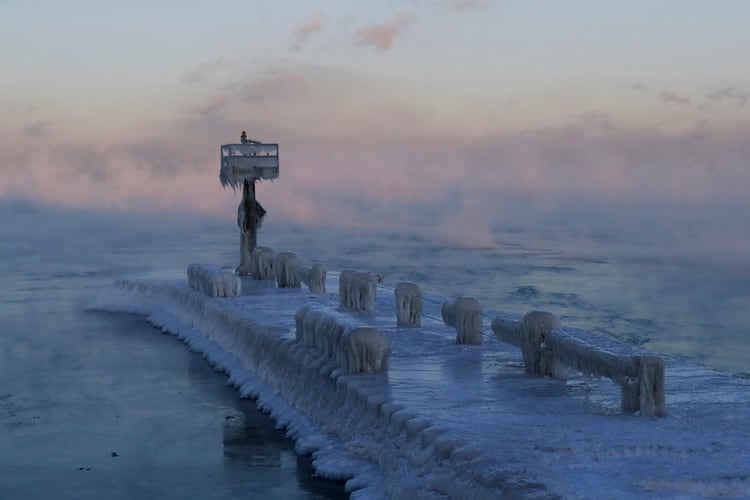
{"points": [[584, 114]]}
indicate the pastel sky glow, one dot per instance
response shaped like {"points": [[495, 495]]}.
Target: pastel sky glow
{"points": [[400, 112]]}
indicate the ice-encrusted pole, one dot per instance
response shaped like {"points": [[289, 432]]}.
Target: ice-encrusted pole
{"points": [[249, 216], [242, 165]]}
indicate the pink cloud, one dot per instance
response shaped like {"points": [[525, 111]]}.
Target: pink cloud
{"points": [[730, 94], [273, 84], [672, 98], [200, 72], [309, 27], [213, 105], [382, 36]]}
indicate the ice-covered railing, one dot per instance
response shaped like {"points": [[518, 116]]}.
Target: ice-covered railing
{"points": [[549, 349]]}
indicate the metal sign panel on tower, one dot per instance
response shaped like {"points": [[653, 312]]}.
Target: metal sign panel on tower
{"points": [[251, 161]]}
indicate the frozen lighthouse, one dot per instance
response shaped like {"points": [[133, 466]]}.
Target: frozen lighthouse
{"points": [[241, 165]]}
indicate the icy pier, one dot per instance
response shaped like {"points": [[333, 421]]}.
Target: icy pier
{"points": [[445, 419]]}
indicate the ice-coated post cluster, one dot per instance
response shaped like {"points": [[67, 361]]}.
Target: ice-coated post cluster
{"points": [[286, 269], [408, 304], [466, 315], [314, 276], [212, 281], [357, 290], [358, 349]]}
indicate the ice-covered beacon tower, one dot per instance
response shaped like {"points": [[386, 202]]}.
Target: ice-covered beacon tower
{"points": [[241, 165]]}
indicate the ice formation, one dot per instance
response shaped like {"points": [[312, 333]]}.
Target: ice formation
{"points": [[248, 162], [364, 349], [448, 313], [321, 328], [535, 324], [456, 421], [651, 396], [356, 348], [466, 315], [212, 281], [469, 321], [314, 276], [357, 290], [262, 263], [408, 304], [286, 269], [508, 329], [549, 349]]}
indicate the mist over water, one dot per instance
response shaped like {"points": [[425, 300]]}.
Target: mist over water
{"points": [[661, 293]]}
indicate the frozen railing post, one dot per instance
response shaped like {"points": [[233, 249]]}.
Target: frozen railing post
{"points": [[466, 315], [314, 276], [537, 357], [408, 304], [357, 290], [262, 262], [242, 165], [286, 268]]}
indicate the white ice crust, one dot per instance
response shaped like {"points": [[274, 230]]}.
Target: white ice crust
{"points": [[358, 349], [251, 161], [453, 421], [213, 281]]}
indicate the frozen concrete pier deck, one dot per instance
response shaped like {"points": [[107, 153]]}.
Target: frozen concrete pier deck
{"points": [[455, 421]]}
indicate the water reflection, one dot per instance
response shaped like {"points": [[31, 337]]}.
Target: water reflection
{"points": [[251, 441], [250, 438]]}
